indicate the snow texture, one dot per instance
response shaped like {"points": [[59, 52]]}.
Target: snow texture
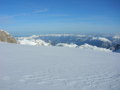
{"points": [[57, 68]]}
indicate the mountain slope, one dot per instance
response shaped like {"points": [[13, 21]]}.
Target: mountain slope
{"points": [[6, 37], [56, 68]]}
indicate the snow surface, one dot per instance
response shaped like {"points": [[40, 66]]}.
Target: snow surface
{"points": [[24, 67]]}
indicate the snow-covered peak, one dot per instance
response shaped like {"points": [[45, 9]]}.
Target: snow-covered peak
{"points": [[39, 42], [87, 46]]}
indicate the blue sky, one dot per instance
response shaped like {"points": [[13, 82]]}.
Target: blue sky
{"points": [[60, 16]]}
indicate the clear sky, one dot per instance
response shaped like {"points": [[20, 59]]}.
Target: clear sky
{"points": [[60, 16]]}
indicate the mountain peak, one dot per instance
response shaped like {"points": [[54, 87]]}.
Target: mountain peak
{"points": [[6, 37]]}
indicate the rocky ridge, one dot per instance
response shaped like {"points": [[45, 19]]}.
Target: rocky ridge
{"points": [[6, 37]]}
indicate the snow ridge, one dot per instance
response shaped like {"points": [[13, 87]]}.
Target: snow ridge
{"points": [[39, 42], [87, 46]]}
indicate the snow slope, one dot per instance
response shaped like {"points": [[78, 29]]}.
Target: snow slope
{"points": [[57, 68]]}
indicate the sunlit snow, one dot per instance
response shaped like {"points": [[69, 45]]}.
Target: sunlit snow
{"points": [[24, 67]]}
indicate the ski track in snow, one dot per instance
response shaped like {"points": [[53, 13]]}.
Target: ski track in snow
{"points": [[71, 82], [105, 80], [77, 72]]}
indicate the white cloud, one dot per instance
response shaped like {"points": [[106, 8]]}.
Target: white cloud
{"points": [[59, 15], [5, 19], [101, 39], [41, 10]]}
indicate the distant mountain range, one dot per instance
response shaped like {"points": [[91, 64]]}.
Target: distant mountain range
{"points": [[105, 43], [95, 42]]}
